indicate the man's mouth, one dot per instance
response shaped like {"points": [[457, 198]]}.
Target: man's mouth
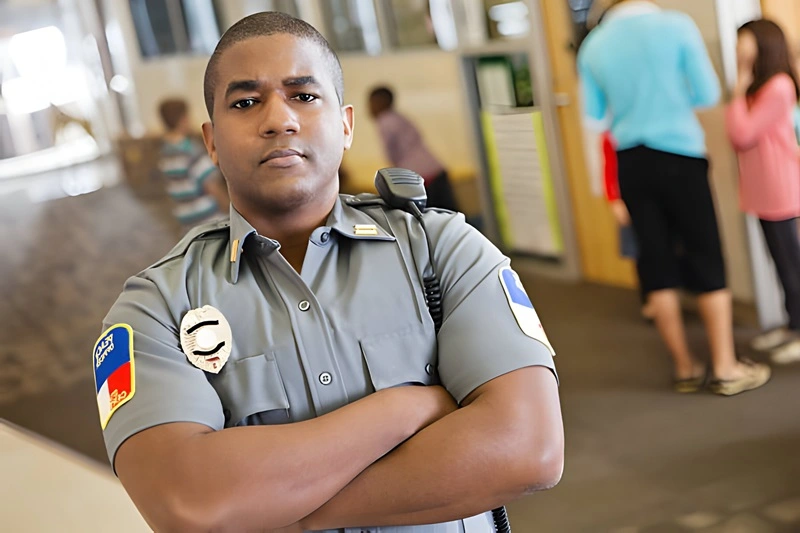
{"points": [[282, 158]]}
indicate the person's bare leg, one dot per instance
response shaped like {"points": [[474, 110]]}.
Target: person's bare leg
{"points": [[716, 309], [666, 308]]}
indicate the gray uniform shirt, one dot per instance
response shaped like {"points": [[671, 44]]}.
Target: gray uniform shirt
{"points": [[352, 322]]}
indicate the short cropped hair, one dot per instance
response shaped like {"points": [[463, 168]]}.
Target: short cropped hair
{"points": [[262, 25], [384, 95], [172, 110]]}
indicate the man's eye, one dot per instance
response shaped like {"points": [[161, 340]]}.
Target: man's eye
{"points": [[244, 104], [304, 97]]}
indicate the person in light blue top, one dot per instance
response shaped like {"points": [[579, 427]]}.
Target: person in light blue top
{"points": [[636, 67], [644, 71]]}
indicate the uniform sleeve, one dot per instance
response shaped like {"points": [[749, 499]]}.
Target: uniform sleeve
{"points": [[166, 387], [490, 328]]}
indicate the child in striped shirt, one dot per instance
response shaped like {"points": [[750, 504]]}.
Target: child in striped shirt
{"points": [[194, 183]]}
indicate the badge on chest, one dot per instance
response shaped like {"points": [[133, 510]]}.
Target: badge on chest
{"points": [[206, 338]]}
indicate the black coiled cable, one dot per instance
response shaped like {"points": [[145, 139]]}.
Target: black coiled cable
{"points": [[501, 524], [433, 299]]}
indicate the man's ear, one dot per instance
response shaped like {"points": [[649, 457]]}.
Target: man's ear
{"points": [[347, 121], [208, 140]]}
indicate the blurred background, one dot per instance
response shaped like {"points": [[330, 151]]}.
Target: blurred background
{"points": [[492, 86]]}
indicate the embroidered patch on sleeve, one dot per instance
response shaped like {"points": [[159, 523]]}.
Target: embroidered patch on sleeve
{"points": [[522, 308], [113, 370]]}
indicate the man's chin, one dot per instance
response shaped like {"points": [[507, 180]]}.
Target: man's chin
{"points": [[281, 200]]}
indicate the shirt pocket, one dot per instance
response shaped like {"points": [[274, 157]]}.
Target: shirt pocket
{"points": [[252, 393], [404, 357]]}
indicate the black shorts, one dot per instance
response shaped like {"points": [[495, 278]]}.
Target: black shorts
{"points": [[673, 216]]}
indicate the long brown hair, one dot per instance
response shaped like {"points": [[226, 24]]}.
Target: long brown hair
{"points": [[773, 54]]}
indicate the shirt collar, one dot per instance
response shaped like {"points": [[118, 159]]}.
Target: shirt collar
{"points": [[630, 8], [345, 220]]}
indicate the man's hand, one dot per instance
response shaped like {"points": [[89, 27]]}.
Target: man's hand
{"points": [[620, 212]]}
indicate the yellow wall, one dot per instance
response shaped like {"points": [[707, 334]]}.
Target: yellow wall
{"points": [[787, 14], [428, 89]]}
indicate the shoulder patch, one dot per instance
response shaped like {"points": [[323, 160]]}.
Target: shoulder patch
{"points": [[522, 308], [114, 376]]}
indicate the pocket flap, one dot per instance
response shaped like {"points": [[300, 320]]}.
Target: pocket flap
{"points": [[398, 358], [250, 386]]}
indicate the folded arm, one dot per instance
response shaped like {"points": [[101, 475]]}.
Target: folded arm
{"points": [[187, 477], [506, 442]]}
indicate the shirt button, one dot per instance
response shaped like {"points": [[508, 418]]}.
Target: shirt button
{"points": [[429, 369], [325, 237], [325, 378], [304, 305]]}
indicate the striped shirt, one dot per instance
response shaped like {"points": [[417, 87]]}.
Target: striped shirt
{"points": [[185, 166]]}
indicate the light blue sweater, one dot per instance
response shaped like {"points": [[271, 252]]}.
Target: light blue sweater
{"points": [[648, 70]]}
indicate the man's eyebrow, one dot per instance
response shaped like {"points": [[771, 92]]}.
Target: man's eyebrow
{"points": [[241, 85], [254, 85], [300, 81]]}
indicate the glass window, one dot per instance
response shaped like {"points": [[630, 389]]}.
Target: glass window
{"points": [[200, 20], [352, 25], [151, 18], [166, 27], [410, 23], [230, 12]]}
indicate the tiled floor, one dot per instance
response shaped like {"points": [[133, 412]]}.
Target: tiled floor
{"points": [[639, 458]]}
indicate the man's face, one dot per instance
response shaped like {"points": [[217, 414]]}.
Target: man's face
{"points": [[278, 131]]}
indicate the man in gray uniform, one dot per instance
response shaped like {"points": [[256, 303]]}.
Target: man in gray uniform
{"points": [[281, 371]]}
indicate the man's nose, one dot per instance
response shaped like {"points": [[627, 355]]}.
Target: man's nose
{"points": [[278, 117]]}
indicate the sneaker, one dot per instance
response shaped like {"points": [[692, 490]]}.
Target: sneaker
{"points": [[755, 375], [788, 353], [694, 383], [689, 385], [771, 339]]}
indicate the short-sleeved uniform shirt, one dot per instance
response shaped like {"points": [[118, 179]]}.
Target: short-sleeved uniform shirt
{"points": [[352, 322]]}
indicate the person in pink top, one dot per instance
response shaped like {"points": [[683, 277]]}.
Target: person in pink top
{"points": [[760, 125], [405, 148]]}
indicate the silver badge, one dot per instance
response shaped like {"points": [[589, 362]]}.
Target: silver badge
{"points": [[206, 338]]}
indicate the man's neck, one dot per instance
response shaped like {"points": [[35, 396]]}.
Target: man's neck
{"points": [[292, 229]]}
